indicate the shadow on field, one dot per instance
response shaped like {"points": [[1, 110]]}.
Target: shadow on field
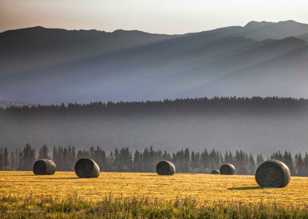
{"points": [[245, 188], [41, 179], [20, 174], [59, 178], [42, 176]]}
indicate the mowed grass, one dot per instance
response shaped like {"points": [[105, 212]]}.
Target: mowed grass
{"points": [[22, 193]]}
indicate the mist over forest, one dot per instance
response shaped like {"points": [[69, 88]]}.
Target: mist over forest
{"points": [[257, 125]]}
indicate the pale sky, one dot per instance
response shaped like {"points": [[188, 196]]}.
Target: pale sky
{"points": [[159, 16]]}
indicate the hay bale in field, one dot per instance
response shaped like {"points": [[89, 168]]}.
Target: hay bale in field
{"points": [[165, 168], [44, 167], [215, 172], [227, 169], [86, 168], [273, 173]]}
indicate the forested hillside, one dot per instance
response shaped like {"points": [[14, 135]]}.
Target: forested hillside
{"points": [[252, 124]]}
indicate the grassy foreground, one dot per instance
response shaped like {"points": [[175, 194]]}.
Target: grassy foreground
{"points": [[146, 195]]}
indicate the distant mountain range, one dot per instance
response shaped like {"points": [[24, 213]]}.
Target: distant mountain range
{"points": [[40, 65]]}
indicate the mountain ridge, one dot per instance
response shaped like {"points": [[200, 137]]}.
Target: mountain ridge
{"points": [[90, 65]]}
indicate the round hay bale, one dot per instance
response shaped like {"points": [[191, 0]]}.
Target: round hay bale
{"points": [[86, 168], [215, 172], [44, 167], [165, 168], [273, 173], [227, 169]]}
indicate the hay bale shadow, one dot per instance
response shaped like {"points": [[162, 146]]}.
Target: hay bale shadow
{"points": [[243, 188], [59, 178]]}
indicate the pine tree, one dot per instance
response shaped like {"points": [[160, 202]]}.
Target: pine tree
{"points": [[44, 152]]}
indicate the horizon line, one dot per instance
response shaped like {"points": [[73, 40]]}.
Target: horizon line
{"points": [[143, 31]]}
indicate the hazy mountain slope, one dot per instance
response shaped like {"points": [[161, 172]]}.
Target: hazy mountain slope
{"points": [[303, 37], [169, 69], [170, 66], [31, 48], [262, 30], [41, 65], [283, 76], [270, 30]]}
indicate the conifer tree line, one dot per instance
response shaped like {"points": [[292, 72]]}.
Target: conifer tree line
{"points": [[195, 105], [126, 160]]}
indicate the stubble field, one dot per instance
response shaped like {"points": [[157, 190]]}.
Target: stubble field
{"points": [[147, 195]]}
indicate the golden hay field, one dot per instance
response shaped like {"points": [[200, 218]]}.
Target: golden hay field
{"points": [[201, 187]]}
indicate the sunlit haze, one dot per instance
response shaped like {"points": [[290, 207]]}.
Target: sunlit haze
{"points": [[160, 16]]}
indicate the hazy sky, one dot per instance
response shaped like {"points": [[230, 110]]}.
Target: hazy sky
{"points": [[163, 16]]}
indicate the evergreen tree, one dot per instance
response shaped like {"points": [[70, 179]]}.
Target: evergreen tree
{"points": [[44, 152], [26, 158]]}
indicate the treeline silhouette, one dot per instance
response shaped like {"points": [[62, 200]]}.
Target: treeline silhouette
{"points": [[125, 160], [204, 104]]}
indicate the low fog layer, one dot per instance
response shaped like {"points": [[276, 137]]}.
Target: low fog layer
{"points": [[257, 130]]}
